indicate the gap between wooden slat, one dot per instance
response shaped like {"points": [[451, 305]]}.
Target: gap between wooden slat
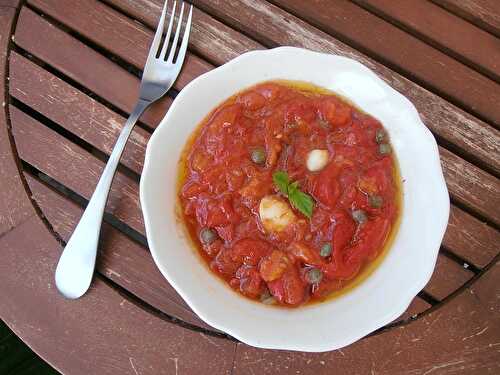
{"points": [[466, 58], [481, 17]]}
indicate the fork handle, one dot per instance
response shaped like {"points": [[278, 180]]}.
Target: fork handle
{"points": [[76, 265]]}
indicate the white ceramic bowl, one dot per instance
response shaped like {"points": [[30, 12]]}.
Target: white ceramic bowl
{"points": [[378, 300]]}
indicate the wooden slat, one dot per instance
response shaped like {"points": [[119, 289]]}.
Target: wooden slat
{"points": [[124, 37], [84, 65], [471, 186], [448, 277], [478, 140], [78, 113], [483, 13], [383, 41], [449, 33], [214, 40], [472, 240], [72, 166], [122, 260], [48, 95], [102, 332], [461, 338], [15, 206]]}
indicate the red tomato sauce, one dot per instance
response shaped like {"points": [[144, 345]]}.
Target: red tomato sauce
{"points": [[228, 167]]}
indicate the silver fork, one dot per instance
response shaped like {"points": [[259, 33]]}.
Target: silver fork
{"points": [[76, 266]]}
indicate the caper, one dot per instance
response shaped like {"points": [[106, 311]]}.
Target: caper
{"points": [[359, 216], [384, 149], [326, 249], [379, 135], [207, 236], [375, 201], [267, 298], [314, 276], [258, 155]]}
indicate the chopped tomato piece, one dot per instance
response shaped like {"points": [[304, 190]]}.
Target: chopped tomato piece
{"points": [[274, 265]]}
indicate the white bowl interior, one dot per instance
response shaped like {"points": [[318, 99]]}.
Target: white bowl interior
{"points": [[386, 293]]}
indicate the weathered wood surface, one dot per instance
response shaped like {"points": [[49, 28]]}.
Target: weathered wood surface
{"points": [[449, 33], [414, 58], [460, 338], [100, 333], [474, 138], [79, 91], [483, 13], [120, 259]]}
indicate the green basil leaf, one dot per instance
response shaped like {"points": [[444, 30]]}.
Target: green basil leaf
{"points": [[299, 200], [302, 202], [281, 180]]}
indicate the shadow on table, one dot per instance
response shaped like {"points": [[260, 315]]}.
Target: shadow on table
{"points": [[16, 358]]}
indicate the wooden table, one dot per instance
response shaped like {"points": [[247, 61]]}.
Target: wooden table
{"points": [[69, 73]]}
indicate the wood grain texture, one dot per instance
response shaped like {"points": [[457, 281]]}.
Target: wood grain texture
{"points": [[81, 115], [274, 26], [459, 338], [122, 260], [116, 33], [478, 141], [15, 206], [449, 33], [214, 40], [472, 186], [469, 238], [84, 65], [97, 125], [483, 13], [73, 167], [404, 52], [448, 277], [100, 333]]}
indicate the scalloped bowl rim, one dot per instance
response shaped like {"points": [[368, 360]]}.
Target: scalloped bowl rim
{"points": [[340, 321]]}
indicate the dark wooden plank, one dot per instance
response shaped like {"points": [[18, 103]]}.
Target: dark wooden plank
{"points": [[448, 277], [450, 34], [122, 260], [472, 240], [100, 333], [415, 59], [477, 140], [214, 40], [460, 338], [483, 13], [15, 206], [471, 186], [124, 37], [72, 166], [84, 65], [46, 94], [75, 111]]}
